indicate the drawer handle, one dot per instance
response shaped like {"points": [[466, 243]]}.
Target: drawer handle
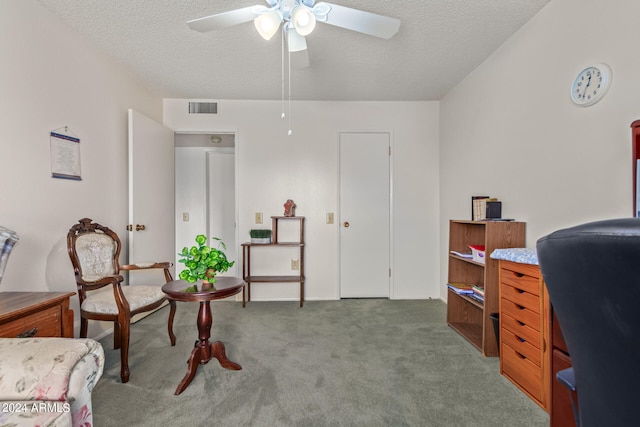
{"points": [[520, 323], [519, 307], [520, 291], [520, 339], [28, 334], [520, 355], [515, 273]]}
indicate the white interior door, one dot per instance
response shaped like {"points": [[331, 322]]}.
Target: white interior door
{"points": [[222, 200], [364, 215], [151, 193]]}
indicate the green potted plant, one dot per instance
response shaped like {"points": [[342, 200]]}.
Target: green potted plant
{"points": [[202, 262]]}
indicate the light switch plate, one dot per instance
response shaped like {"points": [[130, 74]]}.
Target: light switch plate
{"points": [[258, 217], [329, 217]]}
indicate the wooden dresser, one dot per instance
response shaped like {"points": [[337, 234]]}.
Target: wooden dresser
{"points": [[524, 330], [35, 314]]}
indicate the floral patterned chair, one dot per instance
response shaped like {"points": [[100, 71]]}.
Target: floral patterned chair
{"points": [[48, 381]]}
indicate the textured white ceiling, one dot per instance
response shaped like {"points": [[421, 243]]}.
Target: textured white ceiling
{"points": [[439, 43]]}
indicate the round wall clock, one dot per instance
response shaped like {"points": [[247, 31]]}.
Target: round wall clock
{"points": [[591, 85]]}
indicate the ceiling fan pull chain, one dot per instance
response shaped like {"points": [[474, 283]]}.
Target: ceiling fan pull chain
{"points": [[289, 65], [282, 83]]}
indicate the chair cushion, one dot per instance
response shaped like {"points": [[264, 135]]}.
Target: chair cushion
{"points": [[103, 300], [95, 254]]}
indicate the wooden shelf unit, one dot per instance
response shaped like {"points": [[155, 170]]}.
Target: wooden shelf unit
{"points": [[275, 241], [465, 315]]}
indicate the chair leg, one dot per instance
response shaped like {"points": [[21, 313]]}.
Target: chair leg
{"points": [[117, 335], [172, 313], [124, 350], [84, 326]]}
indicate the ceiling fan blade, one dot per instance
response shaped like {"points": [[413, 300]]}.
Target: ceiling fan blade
{"points": [[360, 21], [225, 19]]}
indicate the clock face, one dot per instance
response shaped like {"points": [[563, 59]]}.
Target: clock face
{"points": [[591, 85]]}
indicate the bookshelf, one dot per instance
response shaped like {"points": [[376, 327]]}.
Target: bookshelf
{"points": [[468, 317]]}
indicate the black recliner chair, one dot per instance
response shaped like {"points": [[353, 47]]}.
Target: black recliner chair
{"points": [[592, 274]]}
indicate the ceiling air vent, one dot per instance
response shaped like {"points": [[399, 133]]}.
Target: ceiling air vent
{"points": [[203, 108]]}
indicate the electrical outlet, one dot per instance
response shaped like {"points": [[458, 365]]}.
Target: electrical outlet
{"points": [[258, 217], [185, 216], [295, 264], [329, 217]]}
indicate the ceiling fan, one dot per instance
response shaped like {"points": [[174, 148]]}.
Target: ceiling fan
{"points": [[298, 19]]}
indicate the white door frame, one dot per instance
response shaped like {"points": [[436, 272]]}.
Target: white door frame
{"points": [[338, 220], [228, 150], [236, 133]]}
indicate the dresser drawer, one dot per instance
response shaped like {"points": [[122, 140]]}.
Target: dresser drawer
{"points": [[522, 371], [45, 323], [520, 297], [522, 276], [521, 313], [528, 349], [520, 329]]}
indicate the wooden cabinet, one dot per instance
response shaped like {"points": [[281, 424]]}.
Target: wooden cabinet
{"points": [[635, 156], [560, 409], [248, 248], [524, 357], [467, 316], [35, 314]]}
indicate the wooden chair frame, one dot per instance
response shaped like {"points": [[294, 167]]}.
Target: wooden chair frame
{"points": [[121, 321]]}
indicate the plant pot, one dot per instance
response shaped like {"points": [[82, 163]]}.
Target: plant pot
{"points": [[206, 286], [261, 240]]}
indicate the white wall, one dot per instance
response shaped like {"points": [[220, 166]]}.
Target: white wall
{"points": [[510, 130], [51, 78], [273, 167]]}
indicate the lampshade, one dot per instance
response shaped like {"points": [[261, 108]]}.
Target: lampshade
{"points": [[268, 23], [295, 41], [303, 19]]}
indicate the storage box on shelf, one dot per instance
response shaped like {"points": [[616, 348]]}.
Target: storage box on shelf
{"points": [[468, 316], [275, 241]]}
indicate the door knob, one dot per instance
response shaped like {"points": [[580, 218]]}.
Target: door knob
{"points": [[140, 227], [346, 224], [129, 227]]}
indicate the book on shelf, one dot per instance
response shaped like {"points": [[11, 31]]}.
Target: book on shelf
{"points": [[475, 206], [476, 297], [478, 290], [460, 288], [462, 254]]}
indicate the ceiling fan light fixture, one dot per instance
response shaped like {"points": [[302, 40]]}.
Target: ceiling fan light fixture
{"points": [[303, 19], [268, 23], [295, 41]]}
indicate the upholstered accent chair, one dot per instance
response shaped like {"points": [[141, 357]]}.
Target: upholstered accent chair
{"points": [[94, 251]]}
